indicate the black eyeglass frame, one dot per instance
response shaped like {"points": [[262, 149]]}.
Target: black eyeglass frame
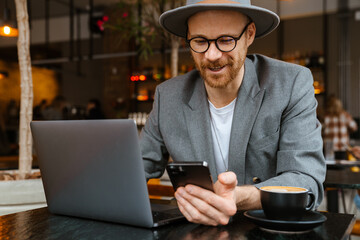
{"points": [[236, 39]]}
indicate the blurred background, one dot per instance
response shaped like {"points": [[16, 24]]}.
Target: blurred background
{"points": [[95, 59]]}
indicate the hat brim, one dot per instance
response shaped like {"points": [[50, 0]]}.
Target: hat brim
{"points": [[175, 20]]}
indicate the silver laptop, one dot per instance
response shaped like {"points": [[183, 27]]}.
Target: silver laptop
{"points": [[94, 169]]}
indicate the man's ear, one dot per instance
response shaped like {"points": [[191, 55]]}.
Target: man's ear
{"points": [[250, 36]]}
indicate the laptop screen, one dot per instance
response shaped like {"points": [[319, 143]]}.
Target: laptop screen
{"points": [[93, 169]]}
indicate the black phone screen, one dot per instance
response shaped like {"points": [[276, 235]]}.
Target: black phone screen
{"points": [[196, 173]]}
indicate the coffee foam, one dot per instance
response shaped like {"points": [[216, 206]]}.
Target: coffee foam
{"points": [[278, 190], [283, 189]]}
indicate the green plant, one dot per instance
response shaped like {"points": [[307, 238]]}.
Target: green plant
{"points": [[132, 27], [140, 22]]}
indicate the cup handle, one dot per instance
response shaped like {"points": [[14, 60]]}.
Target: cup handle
{"points": [[312, 201]]}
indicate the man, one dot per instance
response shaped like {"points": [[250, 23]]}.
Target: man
{"points": [[252, 118]]}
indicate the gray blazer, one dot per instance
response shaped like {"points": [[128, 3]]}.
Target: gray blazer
{"points": [[275, 137]]}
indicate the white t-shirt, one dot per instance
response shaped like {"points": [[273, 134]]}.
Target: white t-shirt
{"points": [[221, 121]]}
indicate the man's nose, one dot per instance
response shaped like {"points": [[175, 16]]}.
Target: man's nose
{"points": [[213, 53]]}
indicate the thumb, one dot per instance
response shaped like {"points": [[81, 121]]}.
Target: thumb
{"points": [[227, 182]]}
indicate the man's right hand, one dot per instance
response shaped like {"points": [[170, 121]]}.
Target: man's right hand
{"points": [[206, 207]]}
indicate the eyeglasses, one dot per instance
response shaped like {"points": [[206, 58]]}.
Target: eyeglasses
{"points": [[223, 43]]}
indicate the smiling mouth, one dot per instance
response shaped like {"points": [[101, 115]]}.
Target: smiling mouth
{"points": [[216, 69]]}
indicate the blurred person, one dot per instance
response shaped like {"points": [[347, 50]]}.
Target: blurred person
{"points": [[56, 110], [4, 145], [12, 121], [94, 110], [252, 118], [39, 109], [337, 125]]}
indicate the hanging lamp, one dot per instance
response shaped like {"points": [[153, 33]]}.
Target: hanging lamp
{"points": [[7, 27]]}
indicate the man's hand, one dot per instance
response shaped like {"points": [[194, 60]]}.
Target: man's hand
{"points": [[205, 207]]}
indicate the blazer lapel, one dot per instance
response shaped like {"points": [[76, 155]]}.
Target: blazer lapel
{"points": [[246, 109], [197, 119]]}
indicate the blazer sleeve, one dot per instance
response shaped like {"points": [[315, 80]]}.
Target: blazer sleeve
{"points": [[154, 152], [300, 160]]}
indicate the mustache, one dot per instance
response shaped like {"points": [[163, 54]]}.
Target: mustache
{"points": [[216, 64]]}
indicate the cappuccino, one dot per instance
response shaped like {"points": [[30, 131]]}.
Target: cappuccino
{"points": [[286, 202], [283, 189]]}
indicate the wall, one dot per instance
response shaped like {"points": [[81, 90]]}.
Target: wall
{"points": [[81, 80], [303, 35], [348, 88], [267, 45], [78, 87], [354, 98], [59, 30]]}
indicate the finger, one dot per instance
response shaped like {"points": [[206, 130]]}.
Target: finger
{"points": [[225, 206], [191, 213], [182, 209], [205, 209], [227, 178], [209, 204], [184, 200], [227, 181]]}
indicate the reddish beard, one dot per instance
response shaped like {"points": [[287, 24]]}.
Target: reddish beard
{"points": [[219, 80]]}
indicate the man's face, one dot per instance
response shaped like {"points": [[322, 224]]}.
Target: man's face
{"points": [[217, 68]]}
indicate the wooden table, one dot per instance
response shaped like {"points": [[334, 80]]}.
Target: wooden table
{"points": [[40, 224], [342, 163], [340, 178]]}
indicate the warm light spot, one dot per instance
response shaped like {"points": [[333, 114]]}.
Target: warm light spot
{"points": [[45, 83], [3, 74], [8, 31], [355, 169], [142, 98], [157, 76], [317, 91], [142, 77]]}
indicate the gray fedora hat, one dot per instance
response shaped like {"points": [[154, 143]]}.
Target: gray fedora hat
{"points": [[175, 20]]}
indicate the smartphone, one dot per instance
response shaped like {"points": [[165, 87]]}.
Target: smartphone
{"points": [[196, 173]]}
